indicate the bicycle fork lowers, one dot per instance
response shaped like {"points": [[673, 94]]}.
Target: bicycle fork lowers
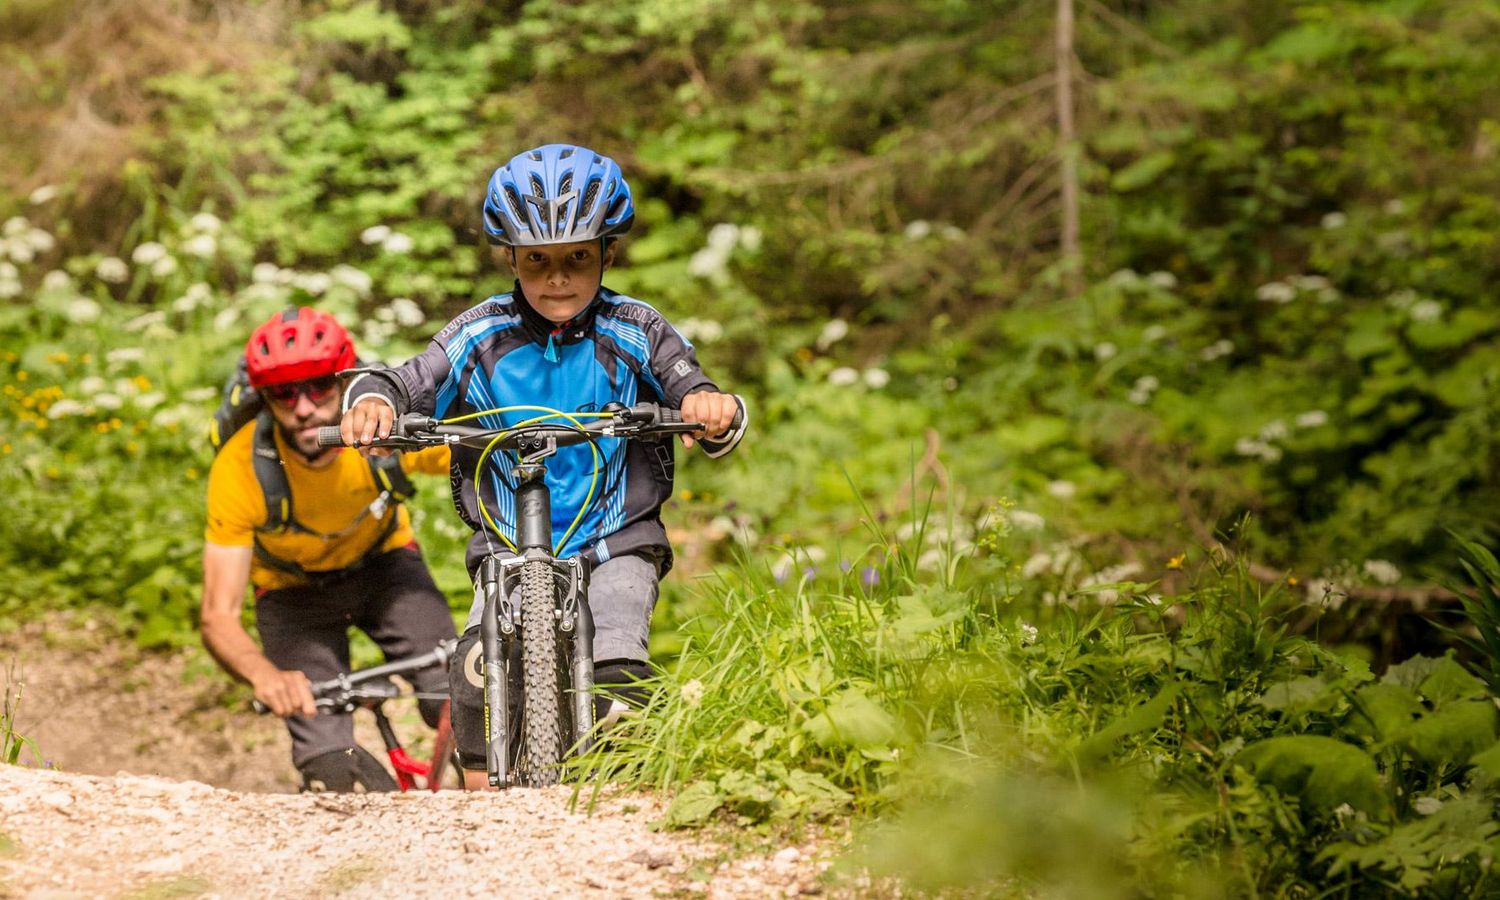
{"points": [[535, 615]]}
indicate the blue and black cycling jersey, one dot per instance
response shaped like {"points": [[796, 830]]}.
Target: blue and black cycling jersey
{"points": [[503, 353]]}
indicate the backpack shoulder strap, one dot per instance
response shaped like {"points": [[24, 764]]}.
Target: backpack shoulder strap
{"points": [[271, 475], [389, 476]]}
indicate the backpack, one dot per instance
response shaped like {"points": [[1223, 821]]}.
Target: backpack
{"points": [[240, 405]]}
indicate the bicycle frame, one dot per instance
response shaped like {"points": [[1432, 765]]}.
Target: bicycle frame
{"points": [[407, 768]]}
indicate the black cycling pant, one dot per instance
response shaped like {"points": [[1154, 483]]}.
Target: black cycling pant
{"points": [[392, 598]]}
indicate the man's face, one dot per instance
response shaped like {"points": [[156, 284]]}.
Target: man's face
{"points": [[301, 407], [560, 279]]}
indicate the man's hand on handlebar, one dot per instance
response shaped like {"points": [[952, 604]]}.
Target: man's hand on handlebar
{"points": [[286, 692], [368, 420], [716, 412]]}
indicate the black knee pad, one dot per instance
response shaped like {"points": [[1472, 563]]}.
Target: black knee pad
{"points": [[466, 687], [346, 771], [617, 678]]}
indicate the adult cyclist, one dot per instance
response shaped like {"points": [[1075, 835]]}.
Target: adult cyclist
{"points": [[322, 536]]}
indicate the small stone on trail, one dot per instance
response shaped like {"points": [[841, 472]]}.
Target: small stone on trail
{"points": [[651, 859], [58, 799], [787, 856]]}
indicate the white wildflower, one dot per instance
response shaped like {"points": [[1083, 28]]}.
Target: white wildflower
{"points": [[1276, 292], [1025, 520], [930, 560], [356, 280], [66, 407], [781, 569], [397, 243], [1037, 564], [1062, 490], [877, 378], [204, 223], [950, 383], [226, 318], [723, 237], [264, 272], [1273, 430], [15, 226], [751, 238], [916, 230], [8, 271], [203, 246], [125, 355], [1029, 634], [408, 313], [1382, 571], [696, 329], [1221, 347], [200, 394], [709, 263], [1394, 207], [18, 250], [1313, 418], [55, 281], [843, 376], [43, 194], [150, 400], [1343, 811], [9, 289], [287, 277], [1310, 283], [148, 253], [1325, 592], [112, 269], [1105, 351], [1124, 278], [375, 234], [1335, 220], [315, 283], [1402, 299], [146, 320], [954, 233], [108, 401], [93, 384], [1154, 333], [692, 693], [1162, 280], [82, 310], [1144, 387], [164, 267], [833, 332], [1426, 311], [39, 240]]}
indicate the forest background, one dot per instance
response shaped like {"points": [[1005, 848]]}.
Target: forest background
{"points": [[1132, 546]]}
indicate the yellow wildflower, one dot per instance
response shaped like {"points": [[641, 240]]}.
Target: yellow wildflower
{"points": [[1291, 580], [1175, 562], [22, 374], [142, 382]]}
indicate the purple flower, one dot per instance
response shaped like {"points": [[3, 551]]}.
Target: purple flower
{"points": [[869, 576]]}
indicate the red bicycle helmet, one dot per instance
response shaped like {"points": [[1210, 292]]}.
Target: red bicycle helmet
{"points": [[297, 345]]}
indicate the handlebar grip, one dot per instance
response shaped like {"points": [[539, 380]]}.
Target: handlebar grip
{"points": [[668, 416], [329, 436]]}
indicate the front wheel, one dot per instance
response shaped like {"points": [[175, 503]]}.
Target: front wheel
{"points": [[541, 725]]}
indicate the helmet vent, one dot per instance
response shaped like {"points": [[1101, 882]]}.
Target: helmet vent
{"points": [[590, 194], [565, 184], [565, 154], [514, 199], [534, 156], [538, 190]]}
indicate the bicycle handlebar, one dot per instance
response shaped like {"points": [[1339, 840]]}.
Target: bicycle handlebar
{"points": [[412, 431], [338, 692]]}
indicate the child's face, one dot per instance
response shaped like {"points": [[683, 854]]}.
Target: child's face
{"points": [[560, 279]]}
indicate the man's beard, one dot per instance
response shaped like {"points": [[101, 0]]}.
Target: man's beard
{"points": [[292, 439]]}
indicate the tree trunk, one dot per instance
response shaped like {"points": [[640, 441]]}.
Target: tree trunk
{"points": [[1067, 148]]}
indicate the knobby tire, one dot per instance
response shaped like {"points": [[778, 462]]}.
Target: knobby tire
{"points": [[542, 725]]}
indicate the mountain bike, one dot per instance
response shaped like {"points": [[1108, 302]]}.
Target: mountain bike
{"points": [[540, 643], [369, 689]]}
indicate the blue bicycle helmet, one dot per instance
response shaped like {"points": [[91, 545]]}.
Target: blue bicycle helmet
{"points": [[557, 194]]}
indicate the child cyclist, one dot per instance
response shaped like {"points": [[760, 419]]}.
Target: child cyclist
{"points": [[561, 340]]}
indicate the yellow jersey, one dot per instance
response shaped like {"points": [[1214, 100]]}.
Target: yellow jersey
{"points": [[331, 502]]}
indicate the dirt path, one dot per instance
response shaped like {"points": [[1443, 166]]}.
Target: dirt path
{"points": [[161, 790]]}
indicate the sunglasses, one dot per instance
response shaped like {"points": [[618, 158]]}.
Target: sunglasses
{"points": [[316, 389]]}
